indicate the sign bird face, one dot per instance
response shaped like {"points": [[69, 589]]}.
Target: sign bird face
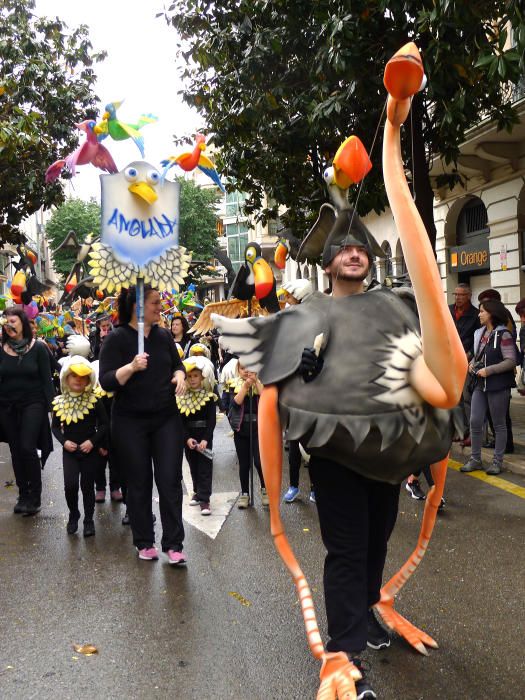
{"points": [[140, 215]]}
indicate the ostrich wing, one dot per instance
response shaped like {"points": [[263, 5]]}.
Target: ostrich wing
{"points": [[273, 345]]}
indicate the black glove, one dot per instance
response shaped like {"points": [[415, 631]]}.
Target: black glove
{"points": [[310, 365]]}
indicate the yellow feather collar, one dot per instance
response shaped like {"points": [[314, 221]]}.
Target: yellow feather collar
{"points": [[193, 400], [71, 409]]}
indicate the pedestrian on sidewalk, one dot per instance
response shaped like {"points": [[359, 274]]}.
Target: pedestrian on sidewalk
{"points": [[26, 393], [199, 416], [492, 373], [520, 310], [246, 389], [466, 320], [80, 424], [145, 424]]}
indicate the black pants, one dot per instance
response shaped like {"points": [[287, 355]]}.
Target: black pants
{"points": [[242, 447], [21, 426], [100, 475], [201, 469], [357, 516], [428, 475], [80, 468], [138, 441]]}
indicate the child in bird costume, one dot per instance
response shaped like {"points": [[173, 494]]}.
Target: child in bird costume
{"points": [[80, 424], [197, 408]]}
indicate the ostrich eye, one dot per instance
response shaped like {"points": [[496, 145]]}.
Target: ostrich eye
{"points": [[131, 174]]}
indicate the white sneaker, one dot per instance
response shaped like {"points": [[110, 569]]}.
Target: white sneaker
{"points": [[194, 500], [244, 501]]}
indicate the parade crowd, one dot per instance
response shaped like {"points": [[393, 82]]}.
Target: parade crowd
{"points": [[132, 417]]}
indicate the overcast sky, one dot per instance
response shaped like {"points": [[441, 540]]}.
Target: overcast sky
{"points": [[140, 68]]}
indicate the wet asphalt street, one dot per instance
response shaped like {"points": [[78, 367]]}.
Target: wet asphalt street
{"points": [[165, 632]]}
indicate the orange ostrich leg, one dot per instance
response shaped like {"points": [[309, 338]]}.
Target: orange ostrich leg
{"points": [[338, 674], [417, 638], [439, 374]]}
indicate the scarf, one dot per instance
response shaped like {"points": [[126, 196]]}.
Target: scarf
{"points": [[19, 346]]}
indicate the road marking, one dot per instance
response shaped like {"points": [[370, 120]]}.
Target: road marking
{"points": [[221, 505], [496, 481]]}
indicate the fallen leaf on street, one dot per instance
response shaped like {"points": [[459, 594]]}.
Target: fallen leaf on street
{"points": [[240, 598], [8, 484], [86, 649]]}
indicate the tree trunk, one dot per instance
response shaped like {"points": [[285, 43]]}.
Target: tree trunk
{"points": [[420, 174]]}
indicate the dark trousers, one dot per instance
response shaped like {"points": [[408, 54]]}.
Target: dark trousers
{"points": [[242, 447], [357, 516], [100, 475], [138, 441], [21, 426], [201, 469], [80, 468], [294, 460], [428, 475], [497, 403], [510, 436]]}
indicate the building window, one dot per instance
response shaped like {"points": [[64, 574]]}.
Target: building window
{"points": [[389, 271], [472, 221], [235, 203], [237, 240], [274, 226]]}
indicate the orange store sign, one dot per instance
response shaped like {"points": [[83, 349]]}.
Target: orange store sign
{"points": [[471, 256]]}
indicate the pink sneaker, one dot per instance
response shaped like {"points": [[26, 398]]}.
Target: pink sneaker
{"points": [[176, 557], [148, 553], [116, 495], [100, 496]]}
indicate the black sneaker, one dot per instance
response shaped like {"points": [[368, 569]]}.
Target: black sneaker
{"points": [[89, 528], [72, 523], [415, 490], [32, 506], [20, 505], [363, 688], [377, 636]]}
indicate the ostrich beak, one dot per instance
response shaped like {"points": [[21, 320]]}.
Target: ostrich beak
{"points": [[281, 255], [263, 275], [142, 189], [404, 73]]}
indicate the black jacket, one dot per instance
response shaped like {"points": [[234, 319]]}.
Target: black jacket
{"points": [[147, 392], [466, 325]]}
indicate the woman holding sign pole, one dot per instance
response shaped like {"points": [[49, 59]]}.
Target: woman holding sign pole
{"points": [[146, 425]]}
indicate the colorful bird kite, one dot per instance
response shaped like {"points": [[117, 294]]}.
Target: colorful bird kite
{"points": [[119, 130], [190, 160], [91, 151]]}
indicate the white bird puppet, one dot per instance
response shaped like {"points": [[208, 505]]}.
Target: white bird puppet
{"points": [[139, 232]]}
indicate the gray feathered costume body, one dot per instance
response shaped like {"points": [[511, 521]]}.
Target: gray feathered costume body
{"points": [[360, 411]]}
